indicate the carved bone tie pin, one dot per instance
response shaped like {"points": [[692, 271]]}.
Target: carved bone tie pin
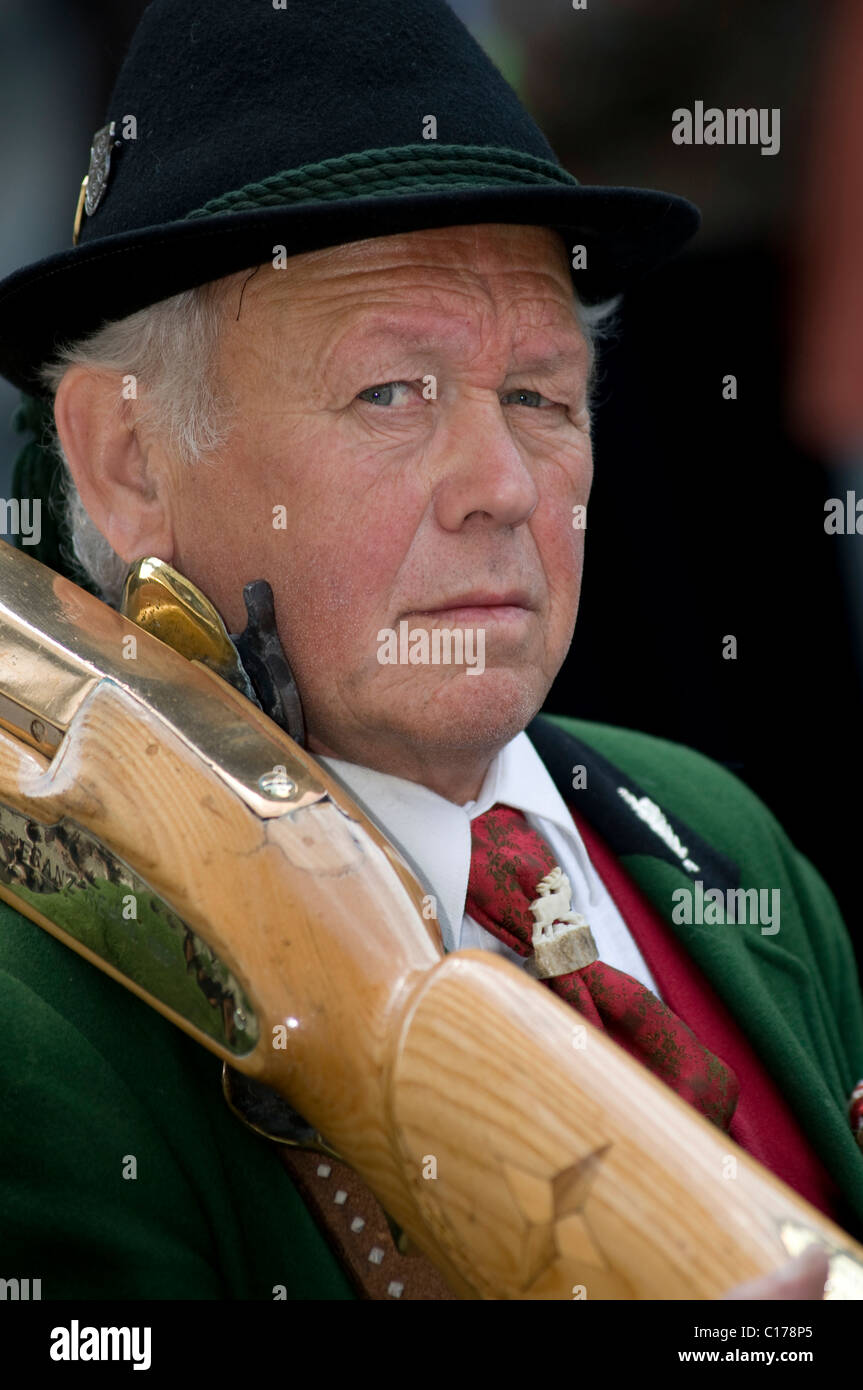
{"points": [[562, 939]]}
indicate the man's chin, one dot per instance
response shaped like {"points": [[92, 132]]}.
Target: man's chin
{"points": [[484, 710]]}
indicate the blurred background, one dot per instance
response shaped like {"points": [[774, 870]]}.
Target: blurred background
{"points": [[707, 516]]}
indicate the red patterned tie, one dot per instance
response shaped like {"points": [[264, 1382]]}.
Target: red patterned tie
{"points": [[507, 863]]}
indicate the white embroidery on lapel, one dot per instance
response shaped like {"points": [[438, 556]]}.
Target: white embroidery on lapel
{"points": [[650, 813]]}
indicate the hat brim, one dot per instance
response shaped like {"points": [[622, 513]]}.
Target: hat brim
{"points": [[626, 232]]}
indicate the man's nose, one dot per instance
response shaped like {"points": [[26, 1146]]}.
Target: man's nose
{"points": [[482, 472]]}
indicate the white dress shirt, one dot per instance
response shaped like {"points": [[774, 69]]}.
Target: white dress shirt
{"points": [[434, 836]]}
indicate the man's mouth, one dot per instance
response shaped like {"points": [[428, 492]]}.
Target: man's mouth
{"points": [[478, 606]]}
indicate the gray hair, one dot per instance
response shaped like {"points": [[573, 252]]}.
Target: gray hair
{"points": [[171, 349]]}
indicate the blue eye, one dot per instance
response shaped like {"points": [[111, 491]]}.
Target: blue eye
{"points": [[380, 395], [522, 397]]}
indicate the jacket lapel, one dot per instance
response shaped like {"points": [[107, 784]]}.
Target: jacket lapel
{"points": [[772, 995]]}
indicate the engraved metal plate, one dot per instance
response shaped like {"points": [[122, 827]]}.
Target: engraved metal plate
{"points": [[63, 642], [93, 897]]}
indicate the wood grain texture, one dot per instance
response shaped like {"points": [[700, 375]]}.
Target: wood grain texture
{"points": [[522, 1163]]}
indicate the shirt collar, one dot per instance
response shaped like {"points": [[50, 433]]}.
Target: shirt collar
{"points": [[433, 834]]}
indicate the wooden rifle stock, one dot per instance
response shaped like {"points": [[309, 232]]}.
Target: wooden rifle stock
{"points": [[528, 1155]]}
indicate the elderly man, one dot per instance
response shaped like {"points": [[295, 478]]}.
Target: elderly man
{"points": [[360, 366]]}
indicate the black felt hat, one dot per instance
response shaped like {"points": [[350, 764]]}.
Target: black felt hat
{"points": [[242, 125]]}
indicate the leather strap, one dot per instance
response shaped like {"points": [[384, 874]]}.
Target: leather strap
{"points": [[354, 1223]]}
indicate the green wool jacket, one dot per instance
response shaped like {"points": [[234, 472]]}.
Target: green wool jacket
{"points": [[90, 1075]]}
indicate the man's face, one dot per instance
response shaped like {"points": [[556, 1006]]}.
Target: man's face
{"points": [[446, 504]]}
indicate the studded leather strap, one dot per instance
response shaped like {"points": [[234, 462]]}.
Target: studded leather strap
{"points": [[353, 1221]]}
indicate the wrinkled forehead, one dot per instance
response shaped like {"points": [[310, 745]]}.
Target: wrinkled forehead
{"points": [[445, 275], [476, 246]]}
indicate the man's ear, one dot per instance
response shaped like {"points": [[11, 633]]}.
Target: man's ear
{"points": [[122, 492]]}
